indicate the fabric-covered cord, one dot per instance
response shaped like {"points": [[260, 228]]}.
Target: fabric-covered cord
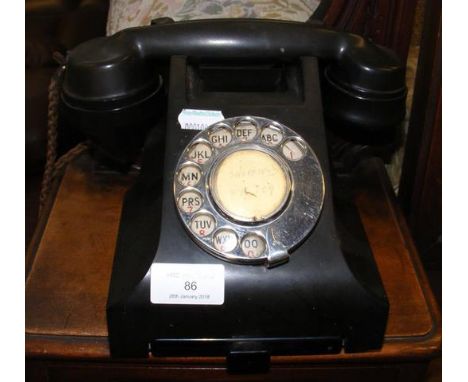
{"points": [[54, 166]]}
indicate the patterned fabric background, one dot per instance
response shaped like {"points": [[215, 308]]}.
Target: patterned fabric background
{"points": [[131, 13]]}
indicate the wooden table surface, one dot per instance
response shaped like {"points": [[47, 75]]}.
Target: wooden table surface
{"points": [[69, 267]]}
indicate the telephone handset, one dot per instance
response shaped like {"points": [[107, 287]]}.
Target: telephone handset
{"points": [[110, 82], [253, 188]]}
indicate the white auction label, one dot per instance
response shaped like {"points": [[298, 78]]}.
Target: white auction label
{"points": [[195, 119], [188, 284]]}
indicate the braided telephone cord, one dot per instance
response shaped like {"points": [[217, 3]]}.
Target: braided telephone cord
{"points": [[53, 165]]}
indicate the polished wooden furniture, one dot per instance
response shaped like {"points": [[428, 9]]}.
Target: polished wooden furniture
{"points": [[420, 192], [68, 272], [386, 22]]}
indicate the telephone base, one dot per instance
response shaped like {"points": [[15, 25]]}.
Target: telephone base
{"points": [[326, 298]]}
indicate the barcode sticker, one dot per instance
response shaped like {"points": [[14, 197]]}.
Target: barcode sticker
{"points": [[188, 284], [195, 119]]}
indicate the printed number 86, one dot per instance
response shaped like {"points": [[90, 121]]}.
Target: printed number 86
{"points": [[190, 285]]}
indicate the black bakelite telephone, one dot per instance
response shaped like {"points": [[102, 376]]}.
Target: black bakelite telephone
{"points": [[231, 240]]}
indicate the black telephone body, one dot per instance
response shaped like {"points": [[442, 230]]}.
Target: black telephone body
{"points": [[325, 293]]}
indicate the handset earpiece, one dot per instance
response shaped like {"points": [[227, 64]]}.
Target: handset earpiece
{"points": [[364, 85], [117, 122], [366, 96]]}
